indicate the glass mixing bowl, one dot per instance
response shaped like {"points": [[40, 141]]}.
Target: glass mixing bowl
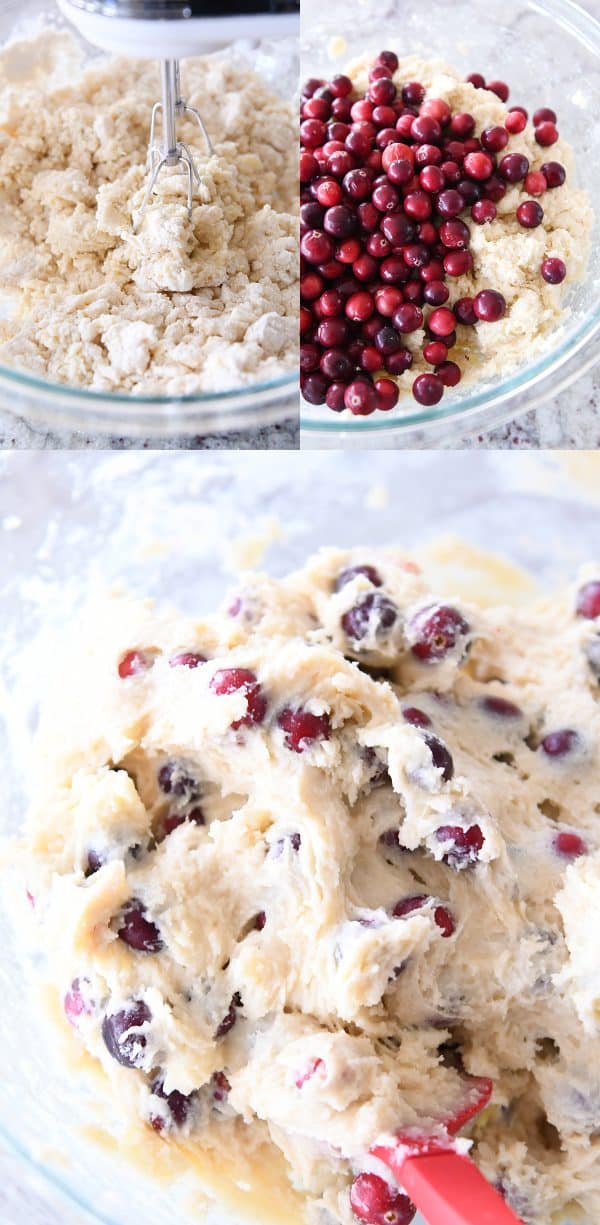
{"points": [[549, 53], [58, 407], [163, 524]]}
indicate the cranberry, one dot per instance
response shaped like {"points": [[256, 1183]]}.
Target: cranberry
{"points": [[358, 142], [558, 744], [339, 221], [428, 389], [370, 617], [543, 115], [220, 1086], [435, 630], [75, 1004], [398, 230], [387, 300], [398, 362], [302, 728], [587, 603], [449, 373], [441, 322], [515, 122], [125, 1046], [435, 352], [570, 845], [336, 365], [457, 263], [407, 318], [437, 109], [309, 167], [416, 717], [463, 845], [313, 132], [483, 211], [351, 572], [137, 930], [494, 139], [134, 662], [314, 388], [455, 235], [513, 167], [554, 174], [335, 397], [462, 125], [174, 819], [340, 86], [441, 757], [232, 680], [553, 270], [535, 183], [465, 312], [450, 203], [546, 134], [530, 214], [501, 707], [489, 306], [178, 1105], [442, 916], [360, 306], [389, 59], [316, 247], [400, 172], [187, 659], [386, 198], [436, 293], [413, 93], [230, 1017], [308, 1072], [478, 166], [476, 80], [378, 246], [360, 397], [357, 184], [387, 339], [387, 395], [500, 88], [94, 862], [375, 1202], [425, 130], [494, 189]]}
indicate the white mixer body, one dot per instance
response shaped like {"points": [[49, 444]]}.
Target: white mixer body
{"points": [[175, 39]]}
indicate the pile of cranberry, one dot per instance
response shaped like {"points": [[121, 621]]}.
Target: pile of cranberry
{"points": [[384, 177]]}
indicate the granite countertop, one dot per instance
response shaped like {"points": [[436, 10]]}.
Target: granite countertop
{"points": [[16, 434]]}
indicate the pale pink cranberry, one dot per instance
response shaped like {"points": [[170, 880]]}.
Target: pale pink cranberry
{"points": [[441, 914], [134, 662], [75, 1003], [137, 930], [233, 680], [560, 743], [120, 1032], [553, 270], [570, 845], [352, 572], [187, 659], [435, 630], [588, 600], [302, 728], [230, 1017], [375, 1202], [462, 846], [308, 1072]]}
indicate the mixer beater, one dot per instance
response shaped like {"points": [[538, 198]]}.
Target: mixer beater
{"points": [[170, 30]]}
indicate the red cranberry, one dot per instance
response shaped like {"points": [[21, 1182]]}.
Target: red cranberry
{"points": [[494, 189], [462, 125], [455, 235], [546, 134], [464, 312], [314, 388], [587, 603], [428, 389], [309, 167], [398, 230], [435, 630], [357, 184], [449, 373], [457, 263], [332, 333], [368, 217], [187, 659], [125, 1046], [436, 293], [413, 93], [375, 1202], [336, 365], [515, 122], [371, 617], [386, 198], [432, 179], [558, 744], [441, 322], [417, 204], [407, 318], [360, 397], [389, 59], [413, 292], [387, 395], [570, 845], [334, 398], [416, 717], [340, 86], [397, 152], [513, 167], [348, 251], [435, 352], [530, 214], [494, 139], [489, 305], [316, 247], [378, 246], [462, 845], [482, 211], [437, 109], [478, 166], [330, 304], [476, 80], [449, 203], [400, 172], [339, 221], [442, 916], [500, 88], [178, 1105], [387, 300], [370, 359], [313, 132], [311, 286], [134, 662], [230, 1017], [553, 270], [427, 155], [233, 680], [137, 930], [302, 728], [360, 307], [220, 1086], [398, 362], [425, 130], [544, 115], [500, 707], [554, 174], [351, 572], [441, 757]]}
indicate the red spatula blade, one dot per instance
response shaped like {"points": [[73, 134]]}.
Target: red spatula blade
{"points": [[450, 1190]]}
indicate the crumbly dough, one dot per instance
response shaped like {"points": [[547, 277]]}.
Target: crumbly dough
{"points": [[269, 869], [506, 256], [179, 308]]}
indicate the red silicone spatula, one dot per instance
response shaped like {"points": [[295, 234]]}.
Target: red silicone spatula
{"points": [[445, 1185]]}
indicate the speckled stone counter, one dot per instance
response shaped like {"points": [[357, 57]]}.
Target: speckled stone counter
{"points": [[16, 434]]}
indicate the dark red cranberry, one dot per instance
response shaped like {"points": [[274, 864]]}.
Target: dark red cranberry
{"points": [[389, 59], [449, 373], [530, 214], [332, 333], [230, 1017], [178, 1105], [554, 270], [340, 221], [125, 1046], [302, 728], [357, 184], [570, 845], [425, 130], [587, 603], [469, 190], [489, 305], [387, 394], [173, 780], [135, 662], [494, 189], [336, 365], [449, 203], [436, 293], [559, 744], [220, 1086], [455, 235], [407, 318], [441, 914], [371, 617], [513, 167], [413, 93], [500, 88], [398, 363], [501, 707], [494, 139], [554, 174], [476, 80], [400, 172], [428, 389], [462, 845], [483, 211], [137, 930], [232, 680], [187, 659], [543, 115], [94, 862], [360, 397], [441, 757], [464, 312], [435, 630], [351, 572], [416, 717], [388, 339], [334, 397], [375, 1202], [316, 247], [546, 134]]}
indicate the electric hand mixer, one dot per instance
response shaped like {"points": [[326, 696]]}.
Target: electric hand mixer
{"points": [[169, 30]]}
